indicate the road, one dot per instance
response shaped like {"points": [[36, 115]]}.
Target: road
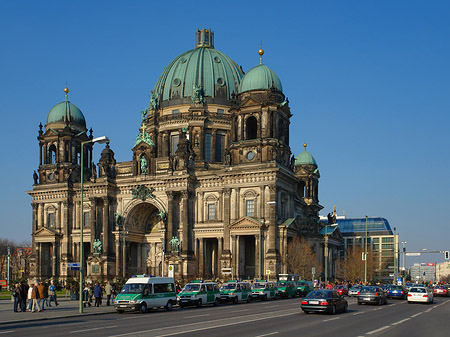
{"points": [[257, 319]]}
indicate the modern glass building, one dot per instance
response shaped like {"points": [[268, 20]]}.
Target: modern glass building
{"points": [[381, 241]]}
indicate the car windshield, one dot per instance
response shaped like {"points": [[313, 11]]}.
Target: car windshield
{"points": [[319, 294], [367, 290], [282, 284], [191, 287], [356, 287], [418, 290], [258, 285], [395, 287], [133, 288], [339, 287], [228, 286], [440, 287]]}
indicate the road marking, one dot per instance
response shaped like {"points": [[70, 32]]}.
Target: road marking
{"points": [[92, 329], [402, 321], [377, 309], [428, 310], [69, 323], [358, 313], [378, 330], [268, 334], [240, 310], [331, 319], [283, 313], [197, 316], [10, 331], [415, 315]]}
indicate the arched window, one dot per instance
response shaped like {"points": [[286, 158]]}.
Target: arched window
{"points": [[52, 154], [251, 127]]}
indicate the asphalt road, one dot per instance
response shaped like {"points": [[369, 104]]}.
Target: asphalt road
{"points": [[257, 319]]}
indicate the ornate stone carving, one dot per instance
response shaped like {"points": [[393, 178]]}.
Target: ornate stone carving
{"points": [[143, 192]]}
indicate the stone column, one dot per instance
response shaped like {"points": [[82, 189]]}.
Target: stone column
{"points": [[58, 217], [41, 216], [213, 145], [272, 221], [105, 237], [92, 216], [54, 260], [65, 250], [169, 229], [34, 216], [117, 239], [226, 219], [185, 222], [201, 258]]}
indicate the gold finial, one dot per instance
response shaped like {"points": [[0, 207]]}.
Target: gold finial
{"points": [[305, 145], [66, 90], [334, 209], [261, 53]]}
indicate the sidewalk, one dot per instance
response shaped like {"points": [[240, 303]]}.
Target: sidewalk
{"points": [[66, 308]]}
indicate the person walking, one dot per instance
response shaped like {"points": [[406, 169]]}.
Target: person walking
{"points": [[30, 300], [86, 295], [52, 294], [108, 291], [41, 296], [16, 295], [23, 296], [35, 299], [98, 294]]}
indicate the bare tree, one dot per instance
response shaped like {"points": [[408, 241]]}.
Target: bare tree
{"points": [[351, 268], [302, 258]]}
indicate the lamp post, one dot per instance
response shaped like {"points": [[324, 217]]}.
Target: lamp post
{"points": [[365, 256], [100, 140], [404, 253], [9, 260], [395, 256]]}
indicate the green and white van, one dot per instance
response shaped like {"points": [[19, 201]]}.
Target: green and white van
{"points": [[235, 291], [264, 290], [143, 292], [287, 289], [304, 287], [198, 293]]}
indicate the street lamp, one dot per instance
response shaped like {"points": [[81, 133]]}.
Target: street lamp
{"points": [[332, 219], [8, 286], [365, 256], [99, 140], [395, 256], [404, 253]]}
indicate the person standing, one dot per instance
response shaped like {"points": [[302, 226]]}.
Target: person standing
{"points": [[52, 294], [30, 300], [108, 291], [98, 294], [35, 298], [41, 296], [16, 295], [23, 296]]}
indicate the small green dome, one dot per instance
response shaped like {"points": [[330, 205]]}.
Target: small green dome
{"points": [[203, 67], [305, 158], [260, 77], [66, 112]]}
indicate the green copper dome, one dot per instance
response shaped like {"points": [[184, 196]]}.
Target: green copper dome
{"points": [[260, 77], [66, 112], [209, 70], [305, 158]]}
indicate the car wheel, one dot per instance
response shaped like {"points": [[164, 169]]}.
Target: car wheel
{"points": [[216, 301], [235, 300], [143, 308], [168, 307], [345, 307], [199, 303], [120, 311], [379, 302], [333, 310], [265, 298]]}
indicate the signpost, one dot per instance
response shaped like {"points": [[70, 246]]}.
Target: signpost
{"points": [[74, 266]]}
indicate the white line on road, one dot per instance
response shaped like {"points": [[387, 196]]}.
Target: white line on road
{"points": [[378, 330], [268, 334], [331, 319], [241, 310], [415, 315], [92, 329], [197, 316], [377, 309], [358, 313], [428, 310], [402, 321], [10, 331]]}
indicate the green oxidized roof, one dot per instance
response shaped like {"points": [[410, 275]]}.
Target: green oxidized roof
{"points": [[205, 67], [260, 77], [66, 112], [305, 158]]}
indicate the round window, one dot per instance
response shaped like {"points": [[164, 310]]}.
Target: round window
{"points": [[176, 82], [250, 155]]}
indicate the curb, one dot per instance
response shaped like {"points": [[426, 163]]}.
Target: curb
{"points": [[56, 317]]}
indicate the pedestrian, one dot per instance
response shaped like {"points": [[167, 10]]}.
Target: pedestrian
{"points": [[30, 300], [98, 294], [41, 296], [52, 294], [86, 295], [16, 296], [108, 291], [23, 296], [113, 297], [35, 299]]}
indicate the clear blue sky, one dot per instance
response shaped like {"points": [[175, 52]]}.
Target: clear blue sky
{"points": [[368, 84]]}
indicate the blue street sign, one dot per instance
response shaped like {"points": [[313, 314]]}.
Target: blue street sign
{"points": [[73, 265]]}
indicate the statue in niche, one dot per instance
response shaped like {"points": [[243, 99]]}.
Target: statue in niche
{"points": [[292, 162], [143, 163], [174, 243], [97, 247], [227, 158], [35, 178], [119, 219]]}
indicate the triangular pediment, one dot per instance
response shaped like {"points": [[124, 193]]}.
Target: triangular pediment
{"points": [[249, 101], [51, 132], [245, 223], [45, 231]]}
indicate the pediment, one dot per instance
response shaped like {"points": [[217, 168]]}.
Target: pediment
{"points": [[51, 132], [246, 223], [249, 102], [45, 231]]}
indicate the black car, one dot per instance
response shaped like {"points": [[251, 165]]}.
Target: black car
{"points": [[372, 295], [324, 301]]}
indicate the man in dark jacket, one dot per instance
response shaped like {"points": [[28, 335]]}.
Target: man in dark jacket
{"points": [[23, 296], [16, 296], [98, 294]]}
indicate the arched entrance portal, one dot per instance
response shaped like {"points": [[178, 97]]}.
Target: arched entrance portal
{"points": [[142, 240]]}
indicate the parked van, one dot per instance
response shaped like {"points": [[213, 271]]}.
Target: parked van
{"points": [[144, 292], [287, 289], [304, 287], [235, 291], [264, 290], [198, 293]]}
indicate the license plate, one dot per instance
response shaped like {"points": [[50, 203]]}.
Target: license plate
{"points": [[122, 306], [366, 298], [313, 302]]}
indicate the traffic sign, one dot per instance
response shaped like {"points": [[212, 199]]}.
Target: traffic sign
{"points": [[412, 254], [73, 265], [267, 271]]}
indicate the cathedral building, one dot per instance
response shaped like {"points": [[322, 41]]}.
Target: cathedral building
{"points": [[212, 188]]}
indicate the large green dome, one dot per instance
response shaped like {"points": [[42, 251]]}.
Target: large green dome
{"points": [[305, 158], [215, 73], [261, 77], [66, 112]]}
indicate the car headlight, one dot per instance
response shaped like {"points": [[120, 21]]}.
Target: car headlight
{"points": [[133, 301], [231, 293]]}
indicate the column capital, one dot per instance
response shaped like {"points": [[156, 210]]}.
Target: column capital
{"points": [[226, 191], [170, 194]]}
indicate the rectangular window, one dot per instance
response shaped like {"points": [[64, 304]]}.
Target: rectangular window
{"points": [[376, 240], [163, 288], [51, 220], [387, 246], [86, 218], [211, 212], [220, 111], [250, 206], [388, 239], [208, 147], [174, 139], [220, 147], [175, 111]]}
